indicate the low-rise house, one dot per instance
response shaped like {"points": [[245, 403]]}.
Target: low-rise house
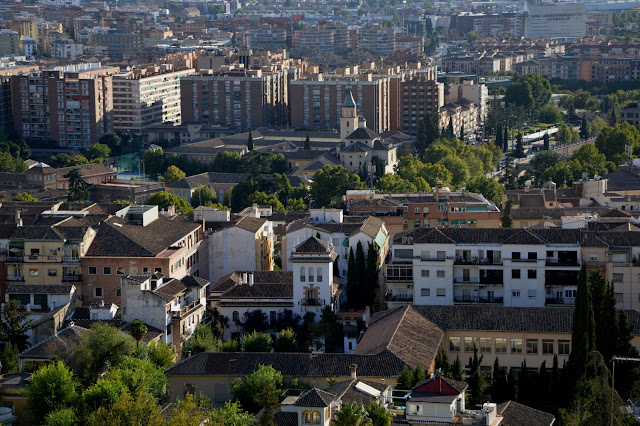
{"points": [[56, 346], [92, 173], [173, 306]]}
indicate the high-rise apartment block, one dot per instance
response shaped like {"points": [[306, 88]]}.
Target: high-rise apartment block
{"points": [[237, 97], [71, 105], [559, 20], [146, 97], [9, 42]]}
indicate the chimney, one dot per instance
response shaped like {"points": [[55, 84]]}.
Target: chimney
{"points": [[18, 218], [102, 303], [244, 278], [353, 368], [250, 279]]}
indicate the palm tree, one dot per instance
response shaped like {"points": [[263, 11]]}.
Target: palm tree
{"points": [[138, 329], [351, 415], [378, 415]]}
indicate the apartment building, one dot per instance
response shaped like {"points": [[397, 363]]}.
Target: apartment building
{"points": [[462, 115], [324, 39], [316, 102], [413, 95], [508, 267], [66, 49], [71, 105], [9, 42], [378, 39], [146, 97], [117, 43], [559, 20], [138, 241], [631, 115], [237, 97], [472, 92]]}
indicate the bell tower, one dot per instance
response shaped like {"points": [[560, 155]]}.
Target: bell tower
{"points": [[349, 117]]}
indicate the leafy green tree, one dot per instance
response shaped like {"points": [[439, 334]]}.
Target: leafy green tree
{"points": [[584, 128], [173, 174], [164, 200], [456, 370], [98, 150], [331, 183], [102, 346], [255, 320], [351, 415], [231, 414], [202, 195], [282, 186], [25, 197], [613, 142], [78, 187], [56, 161], [128, 410], [9, 358], [240, 194], [627, 375], [592, 161], [262, 198], [491, 189], [543, 160], [113, 141], [103, 393], [530, 91], [250, 142], [505, 218], [14, 324], [11, 164], [257, 342], [247, 390], [438, 151], [405, 379], [583, 333], [393, 183], [61, 417], [459, 170], [202, 340], [286, 341], [78, 160], [140, 375], [138, 329], [567, 134], [53, 386], [296, 204], [549, 114], [266, 399], [442, 361], [226, 162], [161, 355], [476, 377], [378, 415], [330, 329], [153, 161], [613, 117], [418, 374]]}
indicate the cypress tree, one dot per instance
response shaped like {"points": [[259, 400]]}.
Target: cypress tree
{"points": [[450, 132], [524, 387], [371, 281], [442, 362], [462, 132], [542, 380], [545, 139], [405, 379], [476, 377], [583, 335], [505, 218], [555, 379], [421, 137], [511, 385], [499, 383], [604, 313], [584, 128], [361, 276], [519, 147], [432, 131], [456, 370], [626, 372], [250, 142], [613, 117], [499, 135], [418, 374], [505, 140], [352, 290], [307, 142]]}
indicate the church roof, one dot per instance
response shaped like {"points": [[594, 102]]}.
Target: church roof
{"points": [[363, 133], [348, 100]]}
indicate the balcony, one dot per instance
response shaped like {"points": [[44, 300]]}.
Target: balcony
{"points": [[70, 259], [477, 300], [312, 302], [71, 278], [562, 262], [408, 298], [187, 309], [560, 301], [14, 278], [466, 261], [15, 259]]}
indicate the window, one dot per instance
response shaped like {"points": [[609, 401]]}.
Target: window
{"points": [[417, 210], [618, 278], [33, 272], [52, 272], [403, 253], [501, 345], [120, 270], [515, 293], [485, 344], [424, 255], [549, 253], [235, 316], [316, 418], [619, 297], [468, 344], [570, 293], [311, 279], [563, 347], [24, 299], [306, 417], [532, 294], [454, 344], [157, 270], [302, 274], [532, 346], [440, 274], [441, 292], [424, 273], [515, 274], [146, 270], [532, 274], [515, 255], [547, 347], [106, 270], [119, 292], [516, 346], [319, 275], [133, 270], [532, 255], [593, 257], [40, 300], [442, 255], [98, 292], [93, 270], [466, 275], [425, 292]]}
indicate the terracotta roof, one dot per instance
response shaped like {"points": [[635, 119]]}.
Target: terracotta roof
{"points": [[38, 288], [285, 418], [170, 290], [90, 169], [405, 333], [516, 414], [251, 224], [315, 398], [313, 245], [259, 291]]}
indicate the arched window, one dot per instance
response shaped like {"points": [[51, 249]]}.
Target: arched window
{"points": [[236, 316], [302, 276], [316, 417], [310, 274], [319, 274], [306, 417]]}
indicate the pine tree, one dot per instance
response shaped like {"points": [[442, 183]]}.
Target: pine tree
{"points": [[450, 133], [584, 128], [524, 385], [626, 372], [456, 370], [442, 362], [505, 140], [307, 142], [250, 142], [583, 335], [418, 374], [476, 377], [519, 153], [613, 117], [405, 379], [545, 139]]}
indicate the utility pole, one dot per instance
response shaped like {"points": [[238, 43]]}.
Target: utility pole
{"points": [[613, 376]]}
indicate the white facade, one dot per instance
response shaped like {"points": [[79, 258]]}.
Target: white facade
{"points": [[140, 102], [476, 93], [28, 46], [66, 48], [555, 20]]}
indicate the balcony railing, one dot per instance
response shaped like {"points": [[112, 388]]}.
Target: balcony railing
{"points": [[187, 309], [15, 278], [70, 259], [481, 281], [560, 301], [71, 278], [466, 261], [399, 298], [476, 299], [312, 302], [562, 262], [15, 259]]}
